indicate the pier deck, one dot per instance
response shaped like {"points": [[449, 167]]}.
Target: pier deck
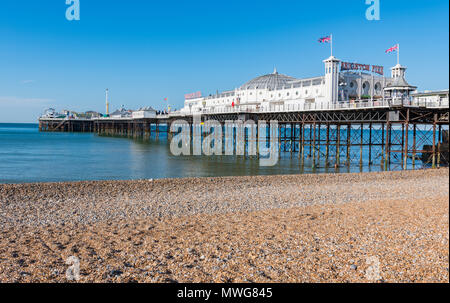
{"points": [[393, 134]]}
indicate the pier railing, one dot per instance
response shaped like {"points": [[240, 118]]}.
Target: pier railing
{"points": [[347, 105], [300, 107]]}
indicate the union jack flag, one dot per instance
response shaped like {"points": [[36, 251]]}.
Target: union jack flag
{"points": [[392, 49], [325, 39]]}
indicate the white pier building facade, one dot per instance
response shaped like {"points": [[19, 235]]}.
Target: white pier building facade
{"points": [[342, 82]]}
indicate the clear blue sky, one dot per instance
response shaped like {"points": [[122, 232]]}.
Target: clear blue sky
{"points": [[144, 51]]}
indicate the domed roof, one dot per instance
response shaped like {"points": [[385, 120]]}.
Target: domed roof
{"points": [[270, 81]]}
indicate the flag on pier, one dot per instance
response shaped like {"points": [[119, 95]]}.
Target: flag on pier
{"points": [[326, 39], [392, 49], [395, 48]]}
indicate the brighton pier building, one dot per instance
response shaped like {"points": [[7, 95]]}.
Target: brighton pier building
{"points": [[341, 82]]}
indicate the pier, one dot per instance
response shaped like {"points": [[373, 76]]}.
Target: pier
{"points": [[389, 133]]}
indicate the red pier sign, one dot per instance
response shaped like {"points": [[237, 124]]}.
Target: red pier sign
{"points": [[362, 67], [193, 95]]}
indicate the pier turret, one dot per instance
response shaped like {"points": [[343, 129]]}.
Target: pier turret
{"points": [[398, 71], [331, 79], [399, 88]]}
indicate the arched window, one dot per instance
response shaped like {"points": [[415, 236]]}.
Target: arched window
{"points": [[366, 88], [377, 88]]}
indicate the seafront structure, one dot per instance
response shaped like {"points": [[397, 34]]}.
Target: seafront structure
{"points": [[329, 119], [351, 83]]}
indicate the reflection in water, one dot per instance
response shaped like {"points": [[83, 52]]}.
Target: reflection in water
{"points": [[29, 156]]}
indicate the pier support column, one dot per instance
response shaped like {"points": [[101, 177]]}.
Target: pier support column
{"points": [[387, 156], [302, 153], [313, 147], [157, 130], [318, 144], [382, 145], [280, 149], [338, 145], [300, 129], [349, 143], [292, 144], [370, 144], [405, 156], [257, 141], [327, 145], [414, 147], [361, 148], [434, 140], [147, 130], [439, 146], [310, 141]]}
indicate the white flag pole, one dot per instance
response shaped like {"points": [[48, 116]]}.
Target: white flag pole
{"points": [[331, 36], [398, 53]]}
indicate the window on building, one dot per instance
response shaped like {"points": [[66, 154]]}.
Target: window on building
{"points": [[378, 88]]}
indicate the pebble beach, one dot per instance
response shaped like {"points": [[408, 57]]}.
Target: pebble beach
{"points": [[363, 227]]}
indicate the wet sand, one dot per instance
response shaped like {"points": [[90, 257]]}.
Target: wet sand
{"points": [[371, 227]]}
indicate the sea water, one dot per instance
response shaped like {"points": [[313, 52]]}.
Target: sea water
{"points": [[27, 155]]}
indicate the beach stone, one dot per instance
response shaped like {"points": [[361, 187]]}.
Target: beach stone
{"points": [[389, 226], [115, 273]]}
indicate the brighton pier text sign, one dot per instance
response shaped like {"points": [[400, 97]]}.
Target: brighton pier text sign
{"points": [[193, 95], [362, 67]]}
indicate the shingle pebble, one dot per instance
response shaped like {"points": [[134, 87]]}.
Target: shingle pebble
{"points": [[372, 227]]}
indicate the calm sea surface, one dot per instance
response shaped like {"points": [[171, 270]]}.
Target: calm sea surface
{"points": [[26, 155]]}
